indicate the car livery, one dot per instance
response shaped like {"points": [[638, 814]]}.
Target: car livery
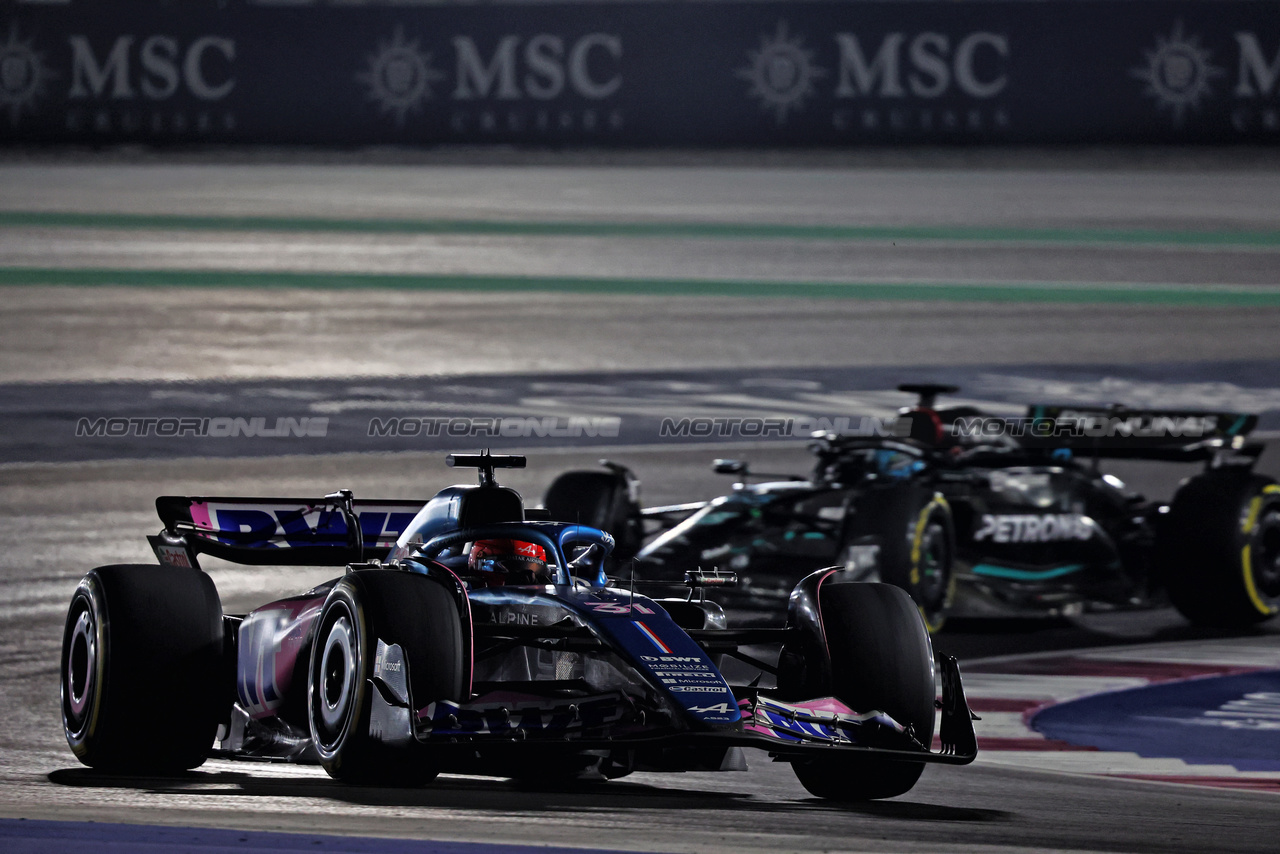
{"points": [[419, 660], [977, 514]]}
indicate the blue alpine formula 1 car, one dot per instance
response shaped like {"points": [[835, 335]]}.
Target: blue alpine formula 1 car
{"points": [[469, 636]]}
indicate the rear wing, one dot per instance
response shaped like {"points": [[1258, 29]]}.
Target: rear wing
{"points": [[331, 531], [1156, 434]]}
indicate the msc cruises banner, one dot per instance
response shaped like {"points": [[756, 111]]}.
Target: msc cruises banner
{"points": [[644, 73]]}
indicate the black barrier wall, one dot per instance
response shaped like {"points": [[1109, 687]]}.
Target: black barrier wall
{"points": [[644, 73]]}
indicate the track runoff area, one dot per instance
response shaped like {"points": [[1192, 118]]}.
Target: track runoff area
{"points": [[291, 308]]}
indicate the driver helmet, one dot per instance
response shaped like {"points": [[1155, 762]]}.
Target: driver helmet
{"points": [[924, 424], [896, 464], [501, 562]]}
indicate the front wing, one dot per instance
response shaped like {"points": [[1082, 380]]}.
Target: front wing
{"points": [[615, 720]]}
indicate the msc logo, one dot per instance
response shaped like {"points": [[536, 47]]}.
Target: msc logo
{"points": [[129, 83], [922, 66], [400, 75], [781, 73], [23, 75], [158, 68], [1178, 73]]}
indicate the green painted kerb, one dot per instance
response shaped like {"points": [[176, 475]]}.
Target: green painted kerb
{"points": [[691, 230], [926, 291]]}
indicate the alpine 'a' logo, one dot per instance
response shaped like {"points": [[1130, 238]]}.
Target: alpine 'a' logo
{"points": [[399, 77], [23, 75], [1177, 73], [781, 72]]}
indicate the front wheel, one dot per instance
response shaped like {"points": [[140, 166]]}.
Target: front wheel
{"points": [[880, 659], [1218, 548], [395, 607]]}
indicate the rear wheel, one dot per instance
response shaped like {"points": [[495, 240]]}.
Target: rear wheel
{"points": [[398, 608], [880, 659], [1219, 548], [917, 544], [144, 678], [602, 500]]}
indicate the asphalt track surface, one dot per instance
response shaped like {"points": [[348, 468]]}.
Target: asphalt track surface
{"points": [[306, 270], [1160, 280]]}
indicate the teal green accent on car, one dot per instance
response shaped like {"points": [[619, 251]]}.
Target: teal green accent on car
{"points": [[992, 571]]}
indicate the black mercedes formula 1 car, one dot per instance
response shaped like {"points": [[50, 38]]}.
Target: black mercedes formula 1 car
{"points": [[470, 635], [1014, 511]]}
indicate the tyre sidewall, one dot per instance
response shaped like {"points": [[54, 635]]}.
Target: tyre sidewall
{"points": [[337, 748], [908, 519], [879, 657], [880, 653], [601, 500], [1260, 527], [82, 721], [156, 691], [396, 607], [1210, 547]]}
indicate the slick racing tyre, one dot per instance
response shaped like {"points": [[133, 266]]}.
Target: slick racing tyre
{"points": [[917, 544], [144, 677], [1218, 548], [399, 608], [880, 659], [601, 500]]}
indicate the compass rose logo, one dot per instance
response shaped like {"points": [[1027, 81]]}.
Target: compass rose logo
{"points": [[781, 72], [23, 75], [399, 76], [1177, 73]]}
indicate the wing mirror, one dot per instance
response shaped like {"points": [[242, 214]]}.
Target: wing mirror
{"points": [[588, 558], [729, 466]]}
